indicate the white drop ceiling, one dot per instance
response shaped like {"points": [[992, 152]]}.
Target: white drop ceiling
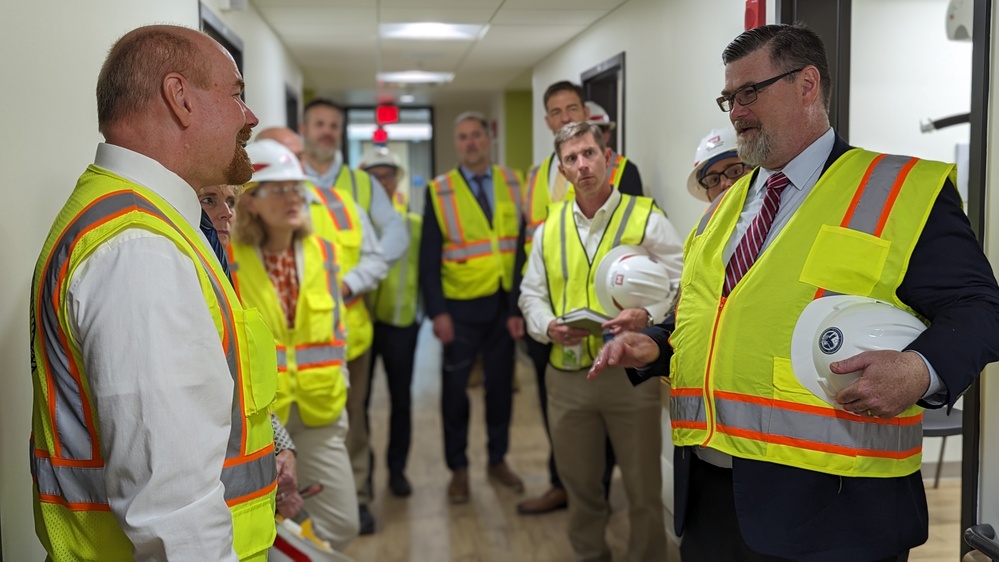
{"points": [[336, 42]]}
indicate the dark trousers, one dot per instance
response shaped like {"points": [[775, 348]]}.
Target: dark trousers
{"points": [[397, 348], [711, 531], [491, 339], [540, 354]]}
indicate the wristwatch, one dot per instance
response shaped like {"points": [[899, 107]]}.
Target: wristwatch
{"points": [[651, 321]]}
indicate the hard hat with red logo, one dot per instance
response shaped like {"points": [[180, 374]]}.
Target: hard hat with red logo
{"points": [[628, 277], [838, 327], [298, 543], [272, 161], [717, 145], [599, 116]]}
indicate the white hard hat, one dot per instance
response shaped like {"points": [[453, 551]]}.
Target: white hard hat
{"points": [[381, 157], [717, 145], [598, 115], [296, 542], [628, 277], [272, 161], [960, 14], [838, 327]]}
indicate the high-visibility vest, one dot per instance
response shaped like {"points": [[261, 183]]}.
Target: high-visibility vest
{"points": [[72, 514], [478, 257], [537, 193], [571, 274], [335, 218], [355, 184], [397, 297], [310, 354], [733, 386]]}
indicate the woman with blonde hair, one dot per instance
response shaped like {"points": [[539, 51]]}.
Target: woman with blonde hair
{"points": [[290, 275]]}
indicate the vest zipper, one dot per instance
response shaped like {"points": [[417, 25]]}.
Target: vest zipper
{"points": [[708, 400]]}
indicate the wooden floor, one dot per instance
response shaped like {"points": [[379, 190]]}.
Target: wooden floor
{"points": [[426, 528]]}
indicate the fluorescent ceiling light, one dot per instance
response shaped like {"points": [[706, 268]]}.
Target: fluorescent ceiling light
{"points": [[415, 77], [407, 98], [396, 131], [435, 31]]}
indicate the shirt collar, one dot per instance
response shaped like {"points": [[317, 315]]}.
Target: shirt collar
{"points": [[808, 163], [143, 170], [608, 207], [469, 175]]}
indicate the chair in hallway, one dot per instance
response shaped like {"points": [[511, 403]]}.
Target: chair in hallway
{"points": [[937, 423]]}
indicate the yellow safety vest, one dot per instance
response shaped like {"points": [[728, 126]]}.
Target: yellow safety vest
{"points": [[537, 192], [355, 184], [310, 355], [478, 257], [571, 274], [397, 298], [72, 515], [733, 386], [335, 218]]}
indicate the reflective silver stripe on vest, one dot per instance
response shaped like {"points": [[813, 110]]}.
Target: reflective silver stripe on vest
{"points": [[332, 285], [469, 251], [335, 207], [624, 221], [617, 162], [353, 185], [513, 184], [859, 434], [529, 231], [318, 355], [282, 359], [68, 422], [508, 244], [449, 208], [565, 254], [687, 408], [249, 477], [73, 484], [876, 191], [708, 213]]}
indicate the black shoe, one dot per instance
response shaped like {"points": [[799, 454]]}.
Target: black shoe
{"points": [[399, 485], [366, 520]]}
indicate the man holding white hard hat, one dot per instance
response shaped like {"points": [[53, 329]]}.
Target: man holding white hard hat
{"points": [[764, 468], [561, 277]]}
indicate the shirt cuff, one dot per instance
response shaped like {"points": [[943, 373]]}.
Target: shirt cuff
{"points": [[936, 393]]}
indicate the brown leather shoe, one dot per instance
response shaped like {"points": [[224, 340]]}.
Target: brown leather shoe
{"points": [[457, 490], [506, 477], [552, 500]]}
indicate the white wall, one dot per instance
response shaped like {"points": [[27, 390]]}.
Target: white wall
{"points": [[52, 54], [673, 73]]}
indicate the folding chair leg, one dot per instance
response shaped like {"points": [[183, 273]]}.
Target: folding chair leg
{"points": [[936, 479]]}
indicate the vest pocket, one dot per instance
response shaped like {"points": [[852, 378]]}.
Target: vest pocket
{"points": [[319, 305], [845, 261], [260, 369], [787, 387]]}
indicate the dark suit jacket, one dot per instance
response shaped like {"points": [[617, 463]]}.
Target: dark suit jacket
{"points": [[484, 309], [805, 515]]}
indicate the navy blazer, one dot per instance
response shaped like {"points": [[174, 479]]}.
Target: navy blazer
{"points": [[805, 515]]}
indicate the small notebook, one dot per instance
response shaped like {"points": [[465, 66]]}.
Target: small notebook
{"points": [[586, 319]]}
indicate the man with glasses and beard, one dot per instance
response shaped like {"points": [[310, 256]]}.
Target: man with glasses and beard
{"points": [[764, 469], [151, 437]]}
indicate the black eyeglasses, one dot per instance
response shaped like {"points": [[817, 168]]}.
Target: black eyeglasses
{"points": [[748, 93], [732, 172]]}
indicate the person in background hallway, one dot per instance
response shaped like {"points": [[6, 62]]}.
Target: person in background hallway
{"points": [[338, 218], [290, 276], [219, 204], [622, 173], [470, 226], [545, 185], [396, 308], [716, 165], [830, 483], [582, 414], [147, 422]]}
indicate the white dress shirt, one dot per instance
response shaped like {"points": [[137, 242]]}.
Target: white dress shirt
{"points": [[158, 378], [661, 240]]}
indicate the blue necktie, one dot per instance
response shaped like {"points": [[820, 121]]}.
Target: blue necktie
{"points": [[213, 238], [483, 199]]}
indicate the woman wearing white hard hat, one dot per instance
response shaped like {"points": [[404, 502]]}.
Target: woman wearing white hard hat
{"points": [[279, 267], [716, 165]]}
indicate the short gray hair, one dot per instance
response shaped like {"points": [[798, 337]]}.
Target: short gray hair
{"points": [[574, 130], [472, 116]]}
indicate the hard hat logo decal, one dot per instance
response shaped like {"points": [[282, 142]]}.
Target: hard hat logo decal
{"points": [[831, 340], [619, 279]]}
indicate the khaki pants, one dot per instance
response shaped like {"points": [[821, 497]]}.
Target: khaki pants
{"points": [[358, 444], [322, 459], [582, 414]]}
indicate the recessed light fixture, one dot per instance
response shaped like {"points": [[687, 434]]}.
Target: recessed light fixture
{"points": [[433, 31], [415, 77], [407, 98]]}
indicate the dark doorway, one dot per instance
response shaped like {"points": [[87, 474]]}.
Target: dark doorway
{"points": [[604, 84]]}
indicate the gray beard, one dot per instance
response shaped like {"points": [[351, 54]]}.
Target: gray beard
{"points": [[755, 152], [320, 154]]}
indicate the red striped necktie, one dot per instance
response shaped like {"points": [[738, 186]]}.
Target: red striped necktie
{"points": [[749, 247]]}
